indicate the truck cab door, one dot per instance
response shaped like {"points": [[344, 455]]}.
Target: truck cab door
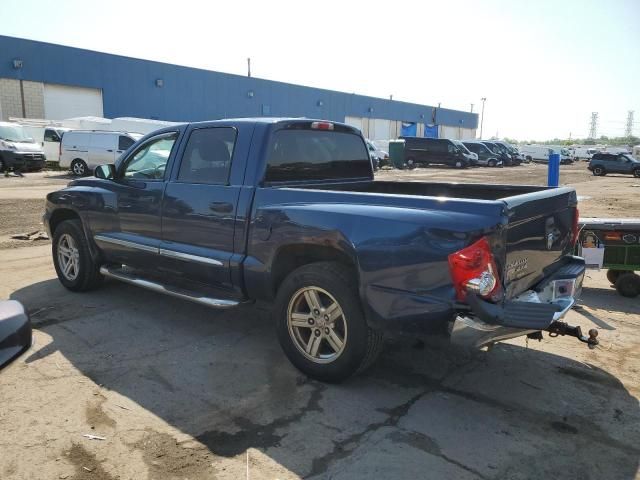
{"points": [[199, 209], [51, 145], [126, 223]]}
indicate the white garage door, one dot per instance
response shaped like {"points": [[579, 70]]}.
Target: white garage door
{"points": [[61, 101], [380, 130], [354, 122], [449, 132]]}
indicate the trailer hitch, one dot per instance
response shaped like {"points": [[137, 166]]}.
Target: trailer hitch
{"points": [[562, 328]]}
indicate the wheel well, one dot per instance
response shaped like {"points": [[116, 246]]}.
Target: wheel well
{"points": [[294, 256], [60, 216]]}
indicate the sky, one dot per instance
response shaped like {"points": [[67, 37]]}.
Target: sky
{"points": [[543, 65]]}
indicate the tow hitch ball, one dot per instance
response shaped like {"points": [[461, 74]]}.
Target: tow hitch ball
{"points": [[563, 328]]}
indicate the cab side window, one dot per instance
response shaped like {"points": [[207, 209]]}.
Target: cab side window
{"points": [[149, 160], [51, 136], [207, 156]]}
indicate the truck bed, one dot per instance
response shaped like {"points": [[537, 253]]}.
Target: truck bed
{"points": [[536, 222], [427, 189]]}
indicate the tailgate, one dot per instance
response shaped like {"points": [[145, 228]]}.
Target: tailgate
{"points": [[539, 234]]}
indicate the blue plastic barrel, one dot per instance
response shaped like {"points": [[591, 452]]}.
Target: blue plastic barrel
{"points": [[553, 179]]}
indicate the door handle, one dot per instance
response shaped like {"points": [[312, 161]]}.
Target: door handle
{"points": [[221, 207], [110, 150]]}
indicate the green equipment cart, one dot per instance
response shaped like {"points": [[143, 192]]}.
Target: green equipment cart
{"points": [[613, 244]]}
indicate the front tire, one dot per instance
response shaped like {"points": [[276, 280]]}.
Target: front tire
{"points": [[320, 323], [628, 285], [636, 173], [492, 163], [79, 168], [72, 260]]}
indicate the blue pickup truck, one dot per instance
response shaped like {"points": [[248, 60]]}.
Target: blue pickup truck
{"points": [[288, 211]]}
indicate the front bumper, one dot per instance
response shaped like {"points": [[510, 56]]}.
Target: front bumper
{"points": [[24, 160], [535, 310]]}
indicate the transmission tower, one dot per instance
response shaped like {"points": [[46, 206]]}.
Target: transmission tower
{"points": [[628, 131], [593, 127]]}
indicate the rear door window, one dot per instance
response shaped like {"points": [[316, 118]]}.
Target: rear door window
{"points": [[298, 155], [207, 156]]}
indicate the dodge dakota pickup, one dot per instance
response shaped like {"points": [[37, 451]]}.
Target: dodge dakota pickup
{"points": [[288, 211]]}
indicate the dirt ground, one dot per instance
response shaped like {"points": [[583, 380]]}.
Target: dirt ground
{"points": [[179, 391]]}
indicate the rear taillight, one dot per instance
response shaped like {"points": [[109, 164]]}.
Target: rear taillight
{"points": [[576, 227], [473, 269]]}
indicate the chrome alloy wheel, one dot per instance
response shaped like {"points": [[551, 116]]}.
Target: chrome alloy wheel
{"points": [[68, 257], [78, 168], [317, 324]]}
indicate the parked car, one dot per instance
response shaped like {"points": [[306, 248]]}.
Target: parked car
{"points": [[473, 156], [500, 152], [52, 142], [486, 157], [582, 153], [15, 331], [18, 150], [516, 157], [82, 150], [603, 163], [540, 153], [379, 157], [434, 151], [287, 211]]}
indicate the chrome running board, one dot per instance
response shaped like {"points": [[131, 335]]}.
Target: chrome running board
{"points": [[192, 296]]}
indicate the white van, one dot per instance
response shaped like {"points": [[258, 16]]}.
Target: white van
{"points": [[583, 153], [536, 153], [83, 150], [51, 142]]}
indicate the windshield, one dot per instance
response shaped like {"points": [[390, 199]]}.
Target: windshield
{"points": [[461, 146], [14, 133], [492, 147]]}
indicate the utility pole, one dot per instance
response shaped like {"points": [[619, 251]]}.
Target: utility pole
{"points": [[593, 127], [249, 67], [484, 99], [628, 131], [390, 97], [472, 108]]}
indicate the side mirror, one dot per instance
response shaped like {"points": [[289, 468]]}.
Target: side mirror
{"points": [[15, 331], [106, 172]]}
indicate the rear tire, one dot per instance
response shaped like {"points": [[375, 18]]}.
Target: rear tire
{"points": [[613, 275], [79, 168], [328, 284], [492, 163], [628, 285], [69, 246], [599, 171]]}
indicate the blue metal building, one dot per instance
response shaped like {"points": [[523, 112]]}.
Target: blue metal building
{"points": [[132, 87]]}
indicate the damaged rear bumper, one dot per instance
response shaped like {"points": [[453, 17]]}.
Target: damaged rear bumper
{"points": [[539, 309]]}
